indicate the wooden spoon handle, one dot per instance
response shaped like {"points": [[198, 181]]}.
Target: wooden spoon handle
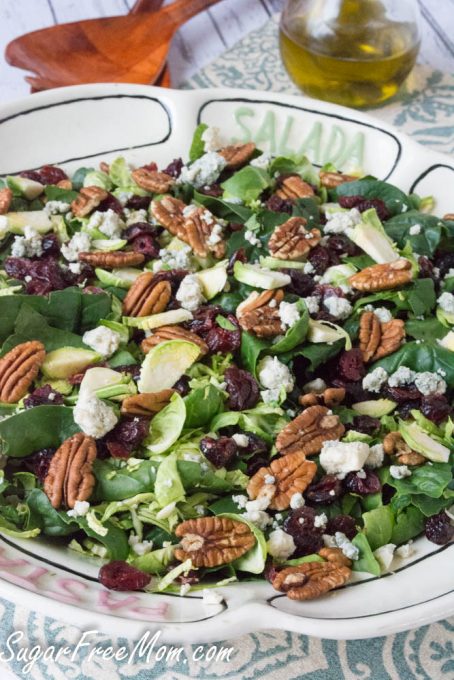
{"points": [[146, 6], [182, 10]]}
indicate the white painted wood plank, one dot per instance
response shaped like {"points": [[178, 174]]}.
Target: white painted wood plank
{"points": [[236, 18], [75, 10], [17, 18]]}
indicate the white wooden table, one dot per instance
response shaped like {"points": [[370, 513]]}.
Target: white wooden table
{"points": [[202, 38]]}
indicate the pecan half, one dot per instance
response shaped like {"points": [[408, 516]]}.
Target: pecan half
{"points": [[331, 180], [6, 196], [18, 369], [113, 260], [383, 276], [88, 199], [310, 580], [147, 296], [211, 541], [293, 187], [237, 155], [307, 432], [395, 445], [65, 184], [336, 556], [369, 335], [146, 404], [70, 477], [165, 333], [291, 241], [292, 474], [199, 232], [376, 339], [168, 212], [152, 180], [259, 313], [449, 216]]}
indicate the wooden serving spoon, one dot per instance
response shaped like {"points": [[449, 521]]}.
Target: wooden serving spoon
{"points": [[124, 49]]}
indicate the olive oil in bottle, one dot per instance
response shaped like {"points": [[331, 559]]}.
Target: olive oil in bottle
{"points": [[351, 52]]}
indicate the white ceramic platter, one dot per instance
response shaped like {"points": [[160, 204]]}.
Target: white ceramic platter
{"points": [[79, 126]]}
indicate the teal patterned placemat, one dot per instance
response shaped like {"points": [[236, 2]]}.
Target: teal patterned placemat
{"points": [[424, 109]]}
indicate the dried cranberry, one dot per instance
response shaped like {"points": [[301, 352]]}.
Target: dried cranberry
{"points": [[405, 408], [366, 424], [204, 319], [182, 386], [126, 436], [341, 245], [50, 245], [324, 290], [243, 389], [139, 229], [138, 202], [435, 407], [174, 168], [238, 256], [111, 203], [31, 174], [351, 365], [403, 394], [343, 523], [439, 529], [254, 464], [300, 284], [363, 485], [271, 571], [444, 262], [152, 166], [119, 575], [325, 491], [147, 245], [300, 525], [353, 390], [325, 316], [86, 272], [215, 190], [44, 395], [173, 276], [426, 268], [39, 462], [256, 445], [277, 204], [362, 204], [320, 258], [235, 226], [220, 452], [48, 174], [222, 340], [46, 275]]}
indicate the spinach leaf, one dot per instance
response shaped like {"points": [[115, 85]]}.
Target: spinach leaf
{"points": [[369, 187], [378, 526], [54, 193], [425, 329], [425, 356], [421, 297], [247, 184], [93, 308], [52, 522], [265, 421], [79, 176], [315, 353], [366, 561], [115, 539], [251, 346], [298, 166], [31, 324], [263, 224], [42, 427], [198, 145], [409, 523], [227, 211], [424, 243], [429, 480], [115, 481], [202, 404], [430, 506]]}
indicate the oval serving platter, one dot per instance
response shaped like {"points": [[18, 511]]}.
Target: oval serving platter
{"points": [[71, 126]]}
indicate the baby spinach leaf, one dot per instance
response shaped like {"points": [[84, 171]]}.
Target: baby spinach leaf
{"points": [[369, 187], [115, 539], [263, 224], [198, 145], [315, 353], [366, 561], [251, 346], [421, 297], [42, 427], [408, 524], [202, 404], [247, 184], [294, 335], [426, 241], [52, 522], [429, 480], [232, 212], [298, 166], [79, 176], [55, 193], [115, 481], [378, 526], [93, 308], [425, 329], [31, 324], [425, 356], [430, 506], [265, 421]]}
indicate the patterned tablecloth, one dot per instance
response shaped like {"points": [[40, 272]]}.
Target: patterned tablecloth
{"points": [[425, 110]]}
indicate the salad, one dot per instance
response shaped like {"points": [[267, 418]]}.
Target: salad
{"points": [[237, 367]]}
